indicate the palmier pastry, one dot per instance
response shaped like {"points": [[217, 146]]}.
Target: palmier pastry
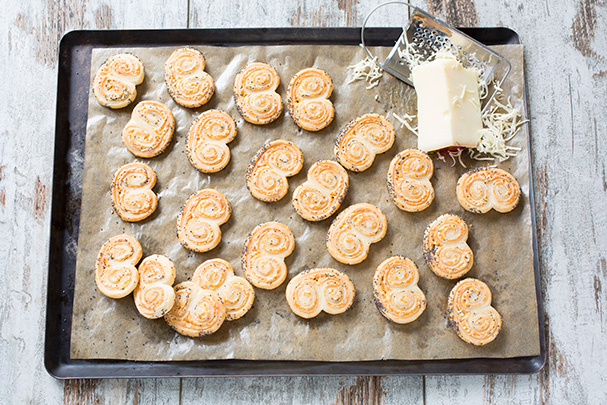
{"points": [[132, 195], [478, 190], [445, 248], [470, 312], [268, 171], [308, 99], [316, 290], [150, 130], [205, 144], [255, 93], [188, 84], [115, 273], [321, 195], [395, 290], [115, 82], [236, 292], [354, 230], [361, 139], [199, 220], [409, 184], [154, 296], [197, 311], [265, 250]]}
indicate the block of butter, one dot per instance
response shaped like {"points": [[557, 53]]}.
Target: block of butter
{"points": [[448, 105]]}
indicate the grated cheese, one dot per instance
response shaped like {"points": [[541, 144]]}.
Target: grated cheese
{"points": [[405, 122], [501, 123], [366, 70]]}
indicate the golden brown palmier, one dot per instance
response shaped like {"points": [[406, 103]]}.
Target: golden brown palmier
{"points": [[199, 220], [132, 195], [115, 273], [115, 82], [470, 312], [188, 84], [316, 290], [150, 129], [323, 192], [445, 248], [255, 93]]}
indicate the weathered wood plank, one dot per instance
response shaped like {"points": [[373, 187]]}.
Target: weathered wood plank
{"points": [[31, 32]]}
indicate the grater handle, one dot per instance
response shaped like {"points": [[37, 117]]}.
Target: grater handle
{"points": [[362, 31]]}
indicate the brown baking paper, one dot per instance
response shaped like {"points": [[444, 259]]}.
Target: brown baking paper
{"points": [[106, 328]]}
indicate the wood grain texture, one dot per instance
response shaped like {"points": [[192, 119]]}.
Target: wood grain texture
{"points": [[566, 54], [33, 30]]}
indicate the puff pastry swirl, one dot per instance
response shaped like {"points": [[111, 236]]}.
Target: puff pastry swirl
{"points": [[481, 189], [308, 99], [265, 250], [395, 290], [187, 82], [115, 273], [323, 192], [150, 129], [408, 181], [255, 93], [115, 82], [199, 220], [207, 139], [362, 139], [354, 230], [316, 290], [197, 311], [445, 248], [268, 171], [154, 295], [236, 292], [132, 195], [470, 312]]}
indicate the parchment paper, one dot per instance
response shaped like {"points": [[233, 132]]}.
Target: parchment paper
{"points": [[502, 244]]}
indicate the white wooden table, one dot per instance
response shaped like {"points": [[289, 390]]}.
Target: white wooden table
{"points": [[566, 67]]}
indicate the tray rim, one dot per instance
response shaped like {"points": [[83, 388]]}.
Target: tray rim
{"points": [[60, 281]]}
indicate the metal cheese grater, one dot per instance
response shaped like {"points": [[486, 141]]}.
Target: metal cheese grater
{"points": [[426, 35]]}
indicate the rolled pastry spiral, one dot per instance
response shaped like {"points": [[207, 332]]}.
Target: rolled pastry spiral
{"points": [[115, 273], [470, 312], [445, 248], [197, 311], [150, 129], [354, 230], [255, 93], [199, 220], [362, 139], [323, 192], [481, 189], [132, 195], [308, 99], [265, 250], [236, 292], [395, 290], [206, 141], [115, 82], [187, 82], [154, 296], [268, 171], [408, 181], [316, 290]]}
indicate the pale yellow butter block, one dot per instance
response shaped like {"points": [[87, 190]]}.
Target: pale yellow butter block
{"points": [[448, 105]]}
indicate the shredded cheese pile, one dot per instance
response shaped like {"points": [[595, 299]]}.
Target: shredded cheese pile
{"points": [[501, 123], [366, 70]]}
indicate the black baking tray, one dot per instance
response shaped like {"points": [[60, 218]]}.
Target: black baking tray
{"points": [[71, 118]]}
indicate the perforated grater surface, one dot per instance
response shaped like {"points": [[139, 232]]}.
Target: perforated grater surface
{"points": [[425, 35]]}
